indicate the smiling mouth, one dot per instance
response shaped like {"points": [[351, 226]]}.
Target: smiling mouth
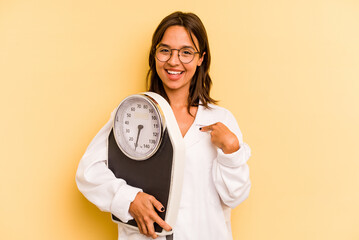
{"points": [[174, 72]]}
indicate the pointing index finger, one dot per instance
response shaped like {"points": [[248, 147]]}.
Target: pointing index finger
{"points": [[206, 128]]}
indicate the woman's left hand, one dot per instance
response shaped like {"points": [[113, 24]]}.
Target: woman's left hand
{"points": [[222, 137]]}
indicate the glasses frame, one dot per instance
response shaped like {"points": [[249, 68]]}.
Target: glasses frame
{"points": [[178, 50]]}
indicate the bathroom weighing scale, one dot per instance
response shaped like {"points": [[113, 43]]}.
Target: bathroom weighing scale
{"points": [[146, 149]]}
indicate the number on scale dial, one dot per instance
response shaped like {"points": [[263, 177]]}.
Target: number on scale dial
{"points": [[138, 127]]}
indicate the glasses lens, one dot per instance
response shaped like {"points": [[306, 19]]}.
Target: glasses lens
{"points": [[163, 54], [186, 55]]}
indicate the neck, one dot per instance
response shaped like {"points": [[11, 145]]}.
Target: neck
{"points": [[178, 98]]}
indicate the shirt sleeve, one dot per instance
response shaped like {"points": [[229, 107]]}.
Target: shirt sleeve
{"points": [[98, 183], [230, 171]]}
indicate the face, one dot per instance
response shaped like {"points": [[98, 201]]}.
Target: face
{"points": [[174, 74]]}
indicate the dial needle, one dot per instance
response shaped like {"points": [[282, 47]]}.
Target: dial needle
{"points": [[138, 135]]}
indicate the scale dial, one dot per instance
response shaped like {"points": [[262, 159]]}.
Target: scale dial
{"points": [[138, 127]]}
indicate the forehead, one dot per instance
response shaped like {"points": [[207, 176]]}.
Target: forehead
{"points": [[178, 37]]}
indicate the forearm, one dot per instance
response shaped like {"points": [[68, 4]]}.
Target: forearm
{"points": [[231, 176]]}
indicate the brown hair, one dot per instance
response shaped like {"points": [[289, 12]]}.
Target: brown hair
{"points": [[201, 81]]}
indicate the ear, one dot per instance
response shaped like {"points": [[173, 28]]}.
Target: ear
{"points": [[199, 63]]}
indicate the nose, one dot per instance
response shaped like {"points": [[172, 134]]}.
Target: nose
{"points": [[174, 59]]}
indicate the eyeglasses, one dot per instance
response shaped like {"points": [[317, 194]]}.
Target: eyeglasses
{"points": [[185, 54]]}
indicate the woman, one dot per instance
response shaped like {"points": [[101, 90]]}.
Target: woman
{"points": [[216, 176]]}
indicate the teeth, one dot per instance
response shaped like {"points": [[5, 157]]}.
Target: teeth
{"points": [[173, 72]]}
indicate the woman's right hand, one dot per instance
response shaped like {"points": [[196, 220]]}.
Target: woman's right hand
{"points": [[143, 211]]}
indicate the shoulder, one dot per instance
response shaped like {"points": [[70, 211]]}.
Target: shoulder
{"points": [[215, 109], [216, 113]]}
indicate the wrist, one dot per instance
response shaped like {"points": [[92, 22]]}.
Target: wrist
{"points": [[231, 147]]}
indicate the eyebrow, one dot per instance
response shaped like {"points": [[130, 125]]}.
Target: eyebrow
{"points": [[165, 45]]}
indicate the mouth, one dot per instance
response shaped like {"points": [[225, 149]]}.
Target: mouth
{"points": [[174, 72]]}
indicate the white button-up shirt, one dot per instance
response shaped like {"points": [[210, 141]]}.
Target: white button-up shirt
{"points": [[213, 183]]}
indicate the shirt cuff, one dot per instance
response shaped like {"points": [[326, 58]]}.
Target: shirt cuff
{"points": [[235, 159], [122, 200]]}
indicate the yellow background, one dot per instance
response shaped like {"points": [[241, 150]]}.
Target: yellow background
{"points": [[288, 70]]}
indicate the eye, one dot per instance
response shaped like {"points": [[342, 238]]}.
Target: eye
{"points": [[164, 50], [187, 52]]}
